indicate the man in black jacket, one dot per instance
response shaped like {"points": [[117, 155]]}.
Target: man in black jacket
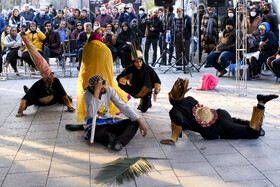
{"points": [[153, 28]]}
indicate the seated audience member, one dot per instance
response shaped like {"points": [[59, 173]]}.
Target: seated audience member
{"points": [[274, 63], [116, 14], [230, 14], [267, 46], [117, 28], [65, 34], [12, 43], [3, 35], [58, 18], [27, 14], [75, 16], [110, 39], [41, 18], [113, 133], [16, 20], [188, 114], [78, 29], [225, 50], [53, 46], [269, 17], [82, 39], [123, 44], [46, 91], [104, 18], [36, 37], [84, 18], [138, 80]]}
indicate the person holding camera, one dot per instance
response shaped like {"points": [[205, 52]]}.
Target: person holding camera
{"points": [[127, 15], [110, 39], [153, 28]]}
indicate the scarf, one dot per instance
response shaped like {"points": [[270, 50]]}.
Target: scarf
{"points": [[210, 24]]}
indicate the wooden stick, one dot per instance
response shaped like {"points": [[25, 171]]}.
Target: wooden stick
{"points": [[92, 130]]}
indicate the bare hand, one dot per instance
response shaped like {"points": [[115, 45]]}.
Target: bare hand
{"points": [[155, 96], [128, 43], [152, 29], [142, 127], [97, 87], [128, 82], [70, 109], [20, 114], [37, 30]]}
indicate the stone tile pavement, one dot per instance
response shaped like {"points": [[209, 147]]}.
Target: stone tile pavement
{"points": [[37, 150]]}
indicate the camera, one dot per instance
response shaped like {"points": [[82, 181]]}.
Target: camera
{"points": [[126, 9], [148, 21]]}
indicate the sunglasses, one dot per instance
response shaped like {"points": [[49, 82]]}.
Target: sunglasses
{"points": [[79, 25]]}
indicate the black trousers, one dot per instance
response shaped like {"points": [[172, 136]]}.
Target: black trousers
{"points": [[181, 47], [26, 57], [147, 103], [225, 126], [123, 131], [255, 66], [12, 57], [114, 52], [125, 56], [274, 64]]}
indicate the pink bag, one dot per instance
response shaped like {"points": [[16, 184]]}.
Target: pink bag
{"points": [[208, 82]]}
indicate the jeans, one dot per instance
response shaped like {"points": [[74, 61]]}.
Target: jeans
{"points": [[143, 43], [194, 50], [48, 54], [220, 60], [148, 43]]}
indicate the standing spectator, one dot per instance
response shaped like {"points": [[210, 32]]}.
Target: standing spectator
{"points": [[142, 24], [95, 15], [169, 18], [230, 14], [153, 29], [16, 20], [116, 14], [123, 45], [75, 16], [58, 18], [137, 34], [84, 17], [210, 27], [271, 19], [12, 43], [52, 10], [182, 39], [225, 50], [53, 46], [27, 14], [161, 34], [127, 15], [104, 18], [36, 37], [110, 39], [48, 13], [82, 39], [192, 9], [41, 18], [267, 45], [78, 29]]}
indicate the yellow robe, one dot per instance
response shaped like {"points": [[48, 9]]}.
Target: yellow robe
{"points": [[97, 59]]}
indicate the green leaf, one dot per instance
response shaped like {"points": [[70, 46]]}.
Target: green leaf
{"points": [[123, 170]]}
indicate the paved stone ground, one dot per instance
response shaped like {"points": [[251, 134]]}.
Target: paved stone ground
{"points": [[37, 150]]}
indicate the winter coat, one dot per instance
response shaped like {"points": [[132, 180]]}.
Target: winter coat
{"points": [[104, 19], [53, 41], [75, 34], [84, 20], [227, 41], [36, 39], [82, 39], [67, 34], [13, 22], [124, 37], [2, 24], [187, 27], [126, 17], [272, 20], [209, 43], [41, 20], [28, 16], [252, 28], [157, 24], [9, 40], [56, 22], [142, 24]]}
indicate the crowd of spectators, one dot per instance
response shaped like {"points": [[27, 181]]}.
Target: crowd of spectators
{"points": [[123, 30]]}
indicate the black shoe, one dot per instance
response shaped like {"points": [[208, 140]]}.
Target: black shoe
{"points": [[26, 89], [72, 127], [78, 68], [262, 133], [208, 66], [265, 98]]}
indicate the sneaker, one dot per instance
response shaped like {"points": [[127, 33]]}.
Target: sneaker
{"points": [[208, 66]]}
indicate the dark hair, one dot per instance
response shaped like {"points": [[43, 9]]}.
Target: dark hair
{"points": [[115, 7], [32, 23], [160, 9], [84, 10], [14, 11], [79, 22], [47, 22], [78, 10], [170, 8], [113, 29]]}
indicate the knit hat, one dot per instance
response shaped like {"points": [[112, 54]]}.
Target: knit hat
{"points": [[93, 78], [204, 115], [40, 63], [230, 21]]}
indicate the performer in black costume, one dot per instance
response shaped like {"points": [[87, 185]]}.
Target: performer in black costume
{"points": [[187, 113], [138, 80]]}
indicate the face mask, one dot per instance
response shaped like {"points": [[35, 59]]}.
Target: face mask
{"points": [[266, 11], [95, 27], [42, 13], [103, 12], [253, 14], [141, 12], [230, 15]]}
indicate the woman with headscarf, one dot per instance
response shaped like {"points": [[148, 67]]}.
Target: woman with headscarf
{"points": [[36, 37], [267, 46], [110, 39], [269, 17], [123, 45], [97, 59], [16, 20]]}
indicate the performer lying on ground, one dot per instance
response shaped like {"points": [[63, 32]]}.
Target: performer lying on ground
{"points": [[113, 133], [46, 91], [138, 80], [187, 113]]}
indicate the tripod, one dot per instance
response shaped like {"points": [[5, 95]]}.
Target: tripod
{"points": [[162, 59]]}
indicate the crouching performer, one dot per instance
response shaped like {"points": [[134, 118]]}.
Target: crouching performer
{"points": [[46, 91], [187, 113], [113, 133], [139, 80]]}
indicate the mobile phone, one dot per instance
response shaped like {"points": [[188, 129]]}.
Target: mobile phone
{"points": [[73, 10]]}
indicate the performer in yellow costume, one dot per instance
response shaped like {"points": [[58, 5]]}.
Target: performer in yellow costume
{"points": [[97, 59]]}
